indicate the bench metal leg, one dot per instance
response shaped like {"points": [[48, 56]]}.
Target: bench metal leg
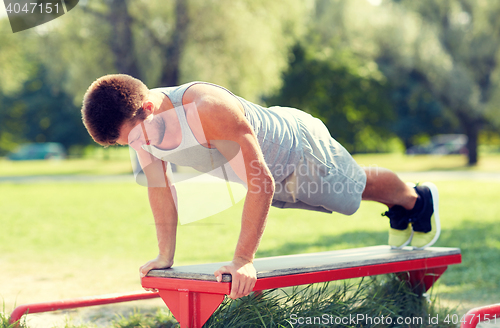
{"points": [[421, 280], [191, 309], [191, 302]]}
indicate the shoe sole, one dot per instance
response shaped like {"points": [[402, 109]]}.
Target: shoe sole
{"points": [[405, 244], [435, 201]]}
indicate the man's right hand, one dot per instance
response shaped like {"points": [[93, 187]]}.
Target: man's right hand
{"points": [[157, 263]]}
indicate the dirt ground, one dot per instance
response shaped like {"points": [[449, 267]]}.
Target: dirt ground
{"points": [[101, 316], [38, 284]]}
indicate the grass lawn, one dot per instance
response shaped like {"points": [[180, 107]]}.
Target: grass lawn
{"points": [[66, 240]]}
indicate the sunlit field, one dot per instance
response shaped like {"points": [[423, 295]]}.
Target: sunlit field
{"points": [[70, 239]]}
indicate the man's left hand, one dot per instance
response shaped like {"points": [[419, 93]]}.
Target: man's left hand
{"points": [[243, 275]]}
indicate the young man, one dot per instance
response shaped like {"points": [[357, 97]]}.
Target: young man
{"points": [[281, 154]]}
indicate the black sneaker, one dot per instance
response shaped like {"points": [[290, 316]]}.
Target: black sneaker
{"points": [[425, 223]]}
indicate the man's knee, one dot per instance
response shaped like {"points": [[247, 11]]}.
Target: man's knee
{"points": [[352, 209], [349, 207]]}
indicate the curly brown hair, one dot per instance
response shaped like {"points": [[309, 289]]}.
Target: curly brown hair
{"points": [[109, 102]]}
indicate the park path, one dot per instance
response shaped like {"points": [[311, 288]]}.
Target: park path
{"points": [[450, 175], [406, 176]]}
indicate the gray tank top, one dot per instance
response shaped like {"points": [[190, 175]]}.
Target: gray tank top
{"points": [[276, 128]]}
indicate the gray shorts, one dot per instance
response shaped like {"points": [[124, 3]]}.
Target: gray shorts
{"points": [[326, 178]]}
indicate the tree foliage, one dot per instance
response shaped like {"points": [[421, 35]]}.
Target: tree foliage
{"points": [[351, 100], [405, 68], [41, 112], [469, 36], [240, 44]]}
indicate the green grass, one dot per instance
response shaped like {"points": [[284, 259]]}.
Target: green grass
{"points": [[160, 319], [66, 240], [4, 321], [371, 302]]}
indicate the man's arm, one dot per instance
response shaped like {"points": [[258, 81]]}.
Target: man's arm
{"points": [[223, 118], [165, 217], [253, 221], [162, 201]]}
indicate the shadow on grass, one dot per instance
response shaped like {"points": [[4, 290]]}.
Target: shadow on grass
{"points": [[347, 240]]}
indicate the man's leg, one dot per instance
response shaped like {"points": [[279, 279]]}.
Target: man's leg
{"points": [[384, 186], [413, 211]]}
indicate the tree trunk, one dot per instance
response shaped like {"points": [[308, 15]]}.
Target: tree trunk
{"points": [[472, 130], [471, 125], [175, 47], [122, 41]]}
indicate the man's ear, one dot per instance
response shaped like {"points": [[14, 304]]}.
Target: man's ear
{"points": [[148, 107]]}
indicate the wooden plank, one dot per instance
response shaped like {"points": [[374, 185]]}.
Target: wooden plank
{"points": [[312, 262]]}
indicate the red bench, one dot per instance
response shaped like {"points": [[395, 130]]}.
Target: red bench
{"points": [[192, 293]]}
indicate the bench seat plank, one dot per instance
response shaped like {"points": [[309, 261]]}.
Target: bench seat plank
{"points": [[312, 262]]}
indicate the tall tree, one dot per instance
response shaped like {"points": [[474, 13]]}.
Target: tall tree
{"points": [[175, 48], [121, 38], [171, 45], [469, 35], [240, 44], [443, 53]]}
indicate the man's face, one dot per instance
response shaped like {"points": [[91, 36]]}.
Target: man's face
{"points": [[137, 133], [127, 132]]}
